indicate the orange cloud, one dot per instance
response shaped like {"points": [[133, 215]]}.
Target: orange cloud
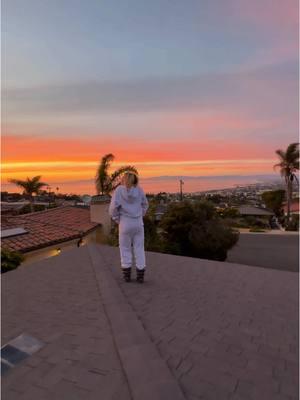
{"points": [[37, 149], [74, 171], [60, 160]]}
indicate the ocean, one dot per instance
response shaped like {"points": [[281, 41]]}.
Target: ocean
{"points": [[164, 184]]}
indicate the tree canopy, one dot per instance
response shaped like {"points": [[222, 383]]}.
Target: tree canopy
{"points": [[196, 230], [274, 199], [106, 182]]}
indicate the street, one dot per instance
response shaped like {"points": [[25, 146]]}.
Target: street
{"points": [[278, 251]]}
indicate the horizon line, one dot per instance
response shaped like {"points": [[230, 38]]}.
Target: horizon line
{"points": [[20, 164], [174, 177]]}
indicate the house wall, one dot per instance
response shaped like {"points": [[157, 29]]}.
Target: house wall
{"points": [[297, 212], [51, 251], [99, 213]]}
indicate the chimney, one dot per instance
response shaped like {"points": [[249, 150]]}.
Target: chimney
{"points": [[99, 212]]}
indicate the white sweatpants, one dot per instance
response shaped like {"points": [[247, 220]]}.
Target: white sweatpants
{"points": [[131, 234]]}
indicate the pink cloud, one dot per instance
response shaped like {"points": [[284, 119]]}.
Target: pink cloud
{"points": [[275, 15], [276, 20], [218, 123]]}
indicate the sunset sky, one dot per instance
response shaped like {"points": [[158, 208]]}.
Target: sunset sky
{"points": [[177, 88]]}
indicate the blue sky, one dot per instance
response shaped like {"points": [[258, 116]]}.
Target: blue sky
{"points": [[150, 81], [63, 41]]}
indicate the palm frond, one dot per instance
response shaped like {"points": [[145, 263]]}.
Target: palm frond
{"points": [[120, 171], [17, 182], [292, 151], [289, 163], [279, 165], [106, 183], [35, 178], [116, 177], [281, 154], [289, 160], [30, 186], [38, 186], [107, 160], [102, 173]]}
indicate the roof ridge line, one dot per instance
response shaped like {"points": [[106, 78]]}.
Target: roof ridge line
{"points": [[51, 224], [36, 212], [23, 218], [131, 353]]}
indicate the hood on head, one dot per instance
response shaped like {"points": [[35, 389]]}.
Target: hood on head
{"points": [[129, 194]]}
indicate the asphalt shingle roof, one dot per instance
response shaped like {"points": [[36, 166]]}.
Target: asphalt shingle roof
{"points": [[196, 329], [249, 210], [47, 227]]}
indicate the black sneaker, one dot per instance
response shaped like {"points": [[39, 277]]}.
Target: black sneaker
{"points": [[140, 275], [127, 274]]}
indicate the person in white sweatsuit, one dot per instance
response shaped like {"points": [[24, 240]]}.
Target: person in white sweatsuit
{"points": [[127, 208]]}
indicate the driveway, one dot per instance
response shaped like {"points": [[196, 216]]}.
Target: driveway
{"points": [[277, 251]]}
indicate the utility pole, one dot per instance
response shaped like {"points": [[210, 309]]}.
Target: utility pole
{"points": [[181, 184], [56, 198], [49, 188]]}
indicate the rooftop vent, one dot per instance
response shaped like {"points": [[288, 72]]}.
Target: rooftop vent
{"points": [[12, 232]]}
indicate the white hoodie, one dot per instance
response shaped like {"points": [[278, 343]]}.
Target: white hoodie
{"points": [[128, 202]]}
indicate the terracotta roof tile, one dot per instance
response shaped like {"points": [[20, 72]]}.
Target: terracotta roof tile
{"points": [[294, 206], [47, 227]]}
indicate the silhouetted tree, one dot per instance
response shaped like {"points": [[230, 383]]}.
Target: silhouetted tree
{"points": [[273, 199], [105, 182], [289, 165], [29, 186]]}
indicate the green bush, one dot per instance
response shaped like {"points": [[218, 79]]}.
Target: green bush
{"points": [[152, 241], [260, 223], [229, 212], [274, 200], [250, 221], [10, 260], [239, 223], [196, 230]]}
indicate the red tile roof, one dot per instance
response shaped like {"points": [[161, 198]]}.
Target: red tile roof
{"points": [[294, 206], [47, 227]]}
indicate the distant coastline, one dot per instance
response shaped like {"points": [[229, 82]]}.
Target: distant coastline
{"points": [[170, 184], [261, 177], [210, 184]]}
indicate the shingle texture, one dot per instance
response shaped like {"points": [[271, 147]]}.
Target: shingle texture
{"points": [[249, 210], [195, 329], [46, 228]]}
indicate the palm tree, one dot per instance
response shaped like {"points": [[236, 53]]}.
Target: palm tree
{"points": [[289, 165], [29, 186], [106, 183]]}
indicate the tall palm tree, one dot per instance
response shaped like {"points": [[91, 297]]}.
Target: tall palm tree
{"points": [[289, 165], [29, 186], [105, 182]]}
